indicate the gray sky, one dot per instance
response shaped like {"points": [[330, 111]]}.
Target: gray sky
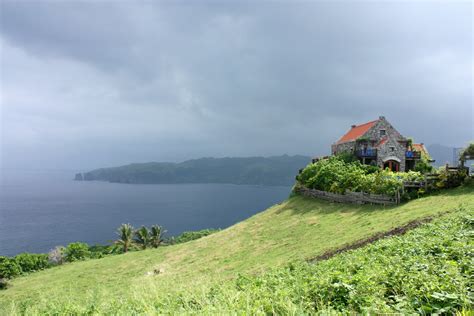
{"points": [[87, 84]]}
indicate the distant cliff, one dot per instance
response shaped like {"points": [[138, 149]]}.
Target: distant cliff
{"points": [[277, 170]]}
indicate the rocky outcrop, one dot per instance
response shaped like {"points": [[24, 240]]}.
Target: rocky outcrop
{"points": [[78, 177]]}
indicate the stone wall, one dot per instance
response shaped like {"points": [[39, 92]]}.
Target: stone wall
{"points": [[385, 152], [347, 146]]}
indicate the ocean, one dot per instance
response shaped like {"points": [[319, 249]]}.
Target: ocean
{"points": [[43, 209]]}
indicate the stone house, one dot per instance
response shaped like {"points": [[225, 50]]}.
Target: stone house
{"points": [[378, 143]]}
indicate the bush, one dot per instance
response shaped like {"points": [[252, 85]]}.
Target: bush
{"points": [[336, 175], [449, 179], [347, 156], [77, 251], [192, 235], [3, 284], [9, 268], [30, 262], [99, 251]]}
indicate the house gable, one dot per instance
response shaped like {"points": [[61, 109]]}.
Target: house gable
{"points": [[356, 131], [383, 129]]}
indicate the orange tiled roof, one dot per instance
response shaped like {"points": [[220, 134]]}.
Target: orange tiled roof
{"points": [[356, 132], [419, 147]]}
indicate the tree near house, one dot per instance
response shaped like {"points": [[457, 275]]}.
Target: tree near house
{"points": [[125, 233], [467, 153], [142, 237]]}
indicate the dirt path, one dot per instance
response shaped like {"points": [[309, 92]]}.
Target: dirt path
{"points": [[400, 230]]}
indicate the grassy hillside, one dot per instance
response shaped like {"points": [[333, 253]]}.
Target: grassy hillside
{"points": [[426, 271], [297, 229]]}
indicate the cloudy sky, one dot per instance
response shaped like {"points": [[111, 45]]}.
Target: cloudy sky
{"points": [[89, 84]]}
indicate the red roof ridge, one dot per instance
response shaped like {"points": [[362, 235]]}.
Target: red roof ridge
{"points": [[356, 131]]}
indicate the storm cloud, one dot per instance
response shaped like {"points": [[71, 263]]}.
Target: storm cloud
{"points": [[86, 85]]}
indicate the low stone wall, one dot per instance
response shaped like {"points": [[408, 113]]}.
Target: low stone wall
{"points": [[348, 197]]}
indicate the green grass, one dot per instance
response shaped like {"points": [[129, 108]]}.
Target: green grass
{"points": [[427, 271], [297, 229]]}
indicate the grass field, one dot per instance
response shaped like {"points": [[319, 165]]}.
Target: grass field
{"points": [[295, 230]]}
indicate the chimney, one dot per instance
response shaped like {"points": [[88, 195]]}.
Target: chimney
{"points": [[352, 126]]}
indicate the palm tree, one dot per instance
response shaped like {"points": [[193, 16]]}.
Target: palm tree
{"points": [[125, 232], [142, 237], [155, 235]]}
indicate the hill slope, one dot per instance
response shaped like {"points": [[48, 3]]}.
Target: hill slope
{"points": [[277, 170], [298, 229]]}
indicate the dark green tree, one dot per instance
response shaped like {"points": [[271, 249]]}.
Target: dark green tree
{"points": [[125, 233], [156, 233], [142, 237]]}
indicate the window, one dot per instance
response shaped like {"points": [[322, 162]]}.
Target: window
{"points": [[392, 148], [382, 132]]}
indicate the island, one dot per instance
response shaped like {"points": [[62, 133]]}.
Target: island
{"points": [[273, 171]]}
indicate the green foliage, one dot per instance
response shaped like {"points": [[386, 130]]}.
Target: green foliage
{"points": [[346, 156], [450, 179], [423, 166], [336, 175], [31, 262], [125, 233], [156, 233], [142, 237], [9, 268], [77, 251], [468, 151], [100, 251], [3, 284], [192, 235]]}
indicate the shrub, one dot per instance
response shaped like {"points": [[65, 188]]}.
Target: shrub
{"points": [[449, 179], [30, 262], [192, 235], [336, 175], [347, 156], [3, 283], [99, 251], [9, 268], [56, 255], [77, 251], [423, 166]]}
